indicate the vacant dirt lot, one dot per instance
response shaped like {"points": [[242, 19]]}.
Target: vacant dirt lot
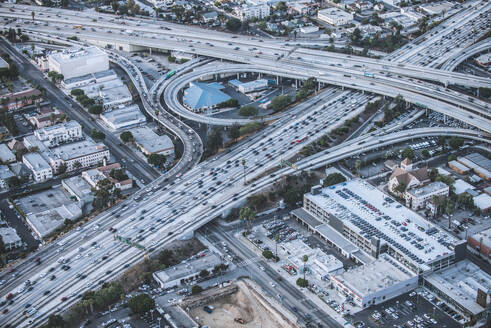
{"points": [[242, 304]]}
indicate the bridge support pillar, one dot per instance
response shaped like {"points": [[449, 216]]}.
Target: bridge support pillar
{"points": [[277, 80], [342, 87], [150, 50], [238, 76], [260, 75]]}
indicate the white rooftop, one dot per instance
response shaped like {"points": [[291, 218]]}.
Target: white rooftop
{"points": [[37, 161], [382, 273], [71, 54], [9, 235], [184, 269], [483, 201], [461, 186], [461, 282], [76, 149], [151, 141], [428, 189], [371, 213], [6, 155]]}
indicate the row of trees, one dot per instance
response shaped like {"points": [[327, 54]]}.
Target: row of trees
{"points": [[10, 73], [248, 110], [15, 36]]}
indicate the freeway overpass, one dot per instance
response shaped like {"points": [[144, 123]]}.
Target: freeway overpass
{"points": [[147, 35], [466, 53], [428, 98]]}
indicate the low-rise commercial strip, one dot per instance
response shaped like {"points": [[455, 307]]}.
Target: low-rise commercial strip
{"points": [[150, 142], [174, 276]]}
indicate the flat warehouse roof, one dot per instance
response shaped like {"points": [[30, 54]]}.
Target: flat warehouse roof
{"points": [[367, 279], [371, 213], [461, 282]]}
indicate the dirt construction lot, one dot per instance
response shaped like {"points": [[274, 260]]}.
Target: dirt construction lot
{"points": [[242, 304]]}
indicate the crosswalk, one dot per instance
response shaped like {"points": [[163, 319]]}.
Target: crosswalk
{"points": [[248, 262]]}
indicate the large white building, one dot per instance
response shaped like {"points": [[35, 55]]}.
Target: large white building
{"points": [[335, 16], [78, 61], [41, 170], [76, 155], [417, 198], [60, 133], [246, 12], [377, 224]]}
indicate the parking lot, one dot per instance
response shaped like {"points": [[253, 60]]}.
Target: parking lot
{"points": [[404, 311]]}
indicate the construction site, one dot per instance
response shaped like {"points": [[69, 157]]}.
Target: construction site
{"points": [[238, 305]]}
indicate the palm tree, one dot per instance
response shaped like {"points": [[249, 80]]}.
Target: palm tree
{"points": [[276, 240], [247, 214], [305, 259], [244, 166]]}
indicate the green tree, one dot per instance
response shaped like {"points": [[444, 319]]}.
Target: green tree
{"points": [[234, 132], [95, 109], [407, 153], [268, 254], [196, 289], [281, 6], [250, 128], [32, 15], [214, 140], [127, 136], [248, 110], [97, 135], [14, 181], [425, 153], [333, 178], [280, 102], [118, 174], [204, 273], [77, 92], [141, 304], [156, 159], [302, 283], [247, 215], [401, 187], [233, 24], [456, 142], [62, 168], [305, 259], [56, 321]]}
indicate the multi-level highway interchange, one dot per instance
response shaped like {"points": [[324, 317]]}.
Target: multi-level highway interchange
{"points": [[174, 206]]}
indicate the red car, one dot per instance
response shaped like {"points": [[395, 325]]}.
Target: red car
{"points": [[63, 299], [5, 311], [9, 296]]}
